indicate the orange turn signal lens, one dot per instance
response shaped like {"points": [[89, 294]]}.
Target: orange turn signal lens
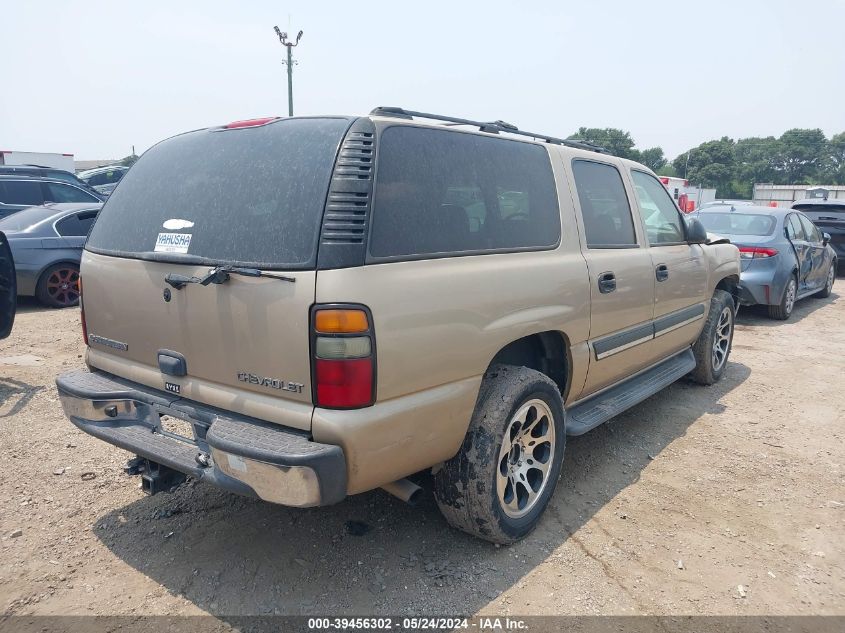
{"points": [[341, 321]]}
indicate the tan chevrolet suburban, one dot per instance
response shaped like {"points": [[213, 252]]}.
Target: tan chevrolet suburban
{"points": [[308, 308]]}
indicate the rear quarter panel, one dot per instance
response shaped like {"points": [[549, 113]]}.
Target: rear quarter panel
{"points": [[438, 324]]}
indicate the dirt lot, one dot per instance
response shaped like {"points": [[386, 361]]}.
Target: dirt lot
{"points": [[720, 500]]}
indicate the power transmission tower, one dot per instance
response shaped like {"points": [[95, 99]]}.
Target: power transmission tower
{"points": [[283, 38]]}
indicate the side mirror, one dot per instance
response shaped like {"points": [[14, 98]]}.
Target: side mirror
{"points": [[696, 233], [825, 238]]}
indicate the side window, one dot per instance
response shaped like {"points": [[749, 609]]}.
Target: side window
{"points": [[794, 231], [604, 205], [59, 192], [440, 191], [68, 226], [21, 192], [115, 175], [661, 216], [86, 221], [471, 200], [96, 179], [78, 224], [810, 229]]}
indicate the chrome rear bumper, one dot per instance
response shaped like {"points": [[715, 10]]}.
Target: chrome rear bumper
{"points": [[243, 455]]}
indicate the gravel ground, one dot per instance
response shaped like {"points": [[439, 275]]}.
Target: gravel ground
{"points": [[721, 500]]}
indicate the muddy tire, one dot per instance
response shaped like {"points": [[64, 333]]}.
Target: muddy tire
{"points": [[783, 310], [500, 482], [824, 293], [713, 346]]}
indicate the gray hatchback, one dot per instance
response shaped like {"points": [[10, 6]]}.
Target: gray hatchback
{"points": [[784, 256]]}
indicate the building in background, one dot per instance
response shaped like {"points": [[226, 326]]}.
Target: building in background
{"points": [[38, 159], [83, 165], [688, 198], [768, 194]]}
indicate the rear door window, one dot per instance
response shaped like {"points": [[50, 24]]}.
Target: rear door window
{"points": [[60, 192], [604, 205], [448, 192], [247, 196], [21, 192]]}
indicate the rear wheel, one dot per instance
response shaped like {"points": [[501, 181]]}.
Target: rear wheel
{"points": [[500, 482], [713, 346], [783, 310], [828, 285], [58, 286]]}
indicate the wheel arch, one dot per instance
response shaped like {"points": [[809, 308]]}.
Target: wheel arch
{"points": [[548, 352], [729, 284]]}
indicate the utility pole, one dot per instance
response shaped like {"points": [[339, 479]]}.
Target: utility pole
{"points": [[283, 38]]}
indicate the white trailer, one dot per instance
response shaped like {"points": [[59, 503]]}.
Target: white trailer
{"points": [[42, 159], [768, 194]]}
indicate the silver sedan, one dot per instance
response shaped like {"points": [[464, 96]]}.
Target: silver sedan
{"points": [[46, 244]]}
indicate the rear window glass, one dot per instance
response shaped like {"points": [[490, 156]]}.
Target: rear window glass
{"points": [[450, 192], [250, 196], [738, 223]]}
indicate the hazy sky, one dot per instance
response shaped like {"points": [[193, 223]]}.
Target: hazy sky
{"points": [[95, 78]]}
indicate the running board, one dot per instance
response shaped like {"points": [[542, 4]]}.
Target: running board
{"points": [[598, 409]]}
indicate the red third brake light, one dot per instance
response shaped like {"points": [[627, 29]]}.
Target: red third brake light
{"points": [[756, 252], [251, 122]]}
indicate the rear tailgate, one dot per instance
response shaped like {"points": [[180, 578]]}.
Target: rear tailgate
{"points": [[250, 196]]}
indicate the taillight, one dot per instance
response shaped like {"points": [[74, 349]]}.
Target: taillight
{"points": [[82, 314], [756, 252], [343, 348]]}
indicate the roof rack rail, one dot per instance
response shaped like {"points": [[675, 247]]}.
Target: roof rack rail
{"points": [[493, 127]]}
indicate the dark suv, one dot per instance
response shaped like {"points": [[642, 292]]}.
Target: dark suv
{"points": [[20, 192], [829, 217], [36, 171]]}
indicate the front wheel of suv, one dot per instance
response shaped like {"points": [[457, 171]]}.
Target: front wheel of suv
{"points": [[500, 482], [713, 346]]}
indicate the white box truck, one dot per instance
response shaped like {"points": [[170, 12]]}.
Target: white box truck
{"points": [[42, 159]]}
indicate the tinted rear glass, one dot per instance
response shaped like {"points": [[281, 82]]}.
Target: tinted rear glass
{"points": [[449, 192], [738, 223], [250, 196]]}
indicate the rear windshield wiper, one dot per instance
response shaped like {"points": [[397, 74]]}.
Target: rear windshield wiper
{"points": [[220, 275]]}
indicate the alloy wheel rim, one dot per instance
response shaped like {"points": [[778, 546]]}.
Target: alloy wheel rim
{"points": [[523, 468], [63, 286], [790, 296], [830, 276], [722, 338]]}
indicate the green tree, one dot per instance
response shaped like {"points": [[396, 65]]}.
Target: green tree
{"points": [[128, 161], [832, 168], [617, 142], [653, 158], [711, 164], [800, 154], [667, 170]]}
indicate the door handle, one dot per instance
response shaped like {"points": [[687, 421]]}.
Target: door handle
{"points": [[607, 283], [661, 272]]}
